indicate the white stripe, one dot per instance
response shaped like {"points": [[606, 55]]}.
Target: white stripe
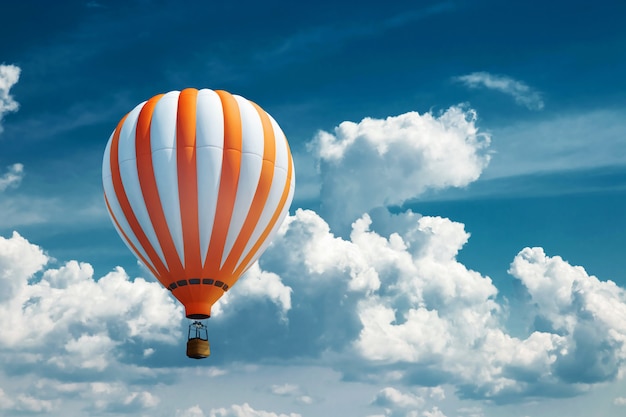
{"points": [[282, 148], [209, 154], [130, 178], [279, 222], [163, 147], [250, 171], [276, 191], [116, 212]]}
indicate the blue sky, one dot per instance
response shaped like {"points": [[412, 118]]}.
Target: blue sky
{"points": [[455, 244]]}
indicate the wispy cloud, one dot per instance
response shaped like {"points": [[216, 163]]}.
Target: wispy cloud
{"points": [[620, 401], [9, 75], [570, 141], [13, 177], [236, 410], [325, 38], [523, 94]]}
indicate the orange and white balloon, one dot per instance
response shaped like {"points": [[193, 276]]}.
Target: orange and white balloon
{"points": [[197, 183]]}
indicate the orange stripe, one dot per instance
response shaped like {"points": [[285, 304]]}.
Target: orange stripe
{"points": [[130, 243], [162, 272], [260, 195], [283, 200], [147, 181], [188, 179], [229, 180]]}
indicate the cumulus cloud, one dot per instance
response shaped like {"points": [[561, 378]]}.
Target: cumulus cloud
{"points": [[447, 315], [13, 178], [81, 322], [577, 338], [522, 93], [589, 316], [58, 303], [9, 75], [256, 284], [395, 298], [377, 162], [400, 307]]}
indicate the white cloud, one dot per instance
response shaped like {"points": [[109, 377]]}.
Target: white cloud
{"points": [[522, 93], [80, 322], [12, 178], [9, 75], [589, 314], [245, 410], [449, 317], [434, 303], [420, 302], [256, 284], [90, 351], [19, 260], [386, 162], [425, 318]]}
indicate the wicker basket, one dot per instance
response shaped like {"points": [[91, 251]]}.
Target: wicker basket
{"points": [[198, 348]]}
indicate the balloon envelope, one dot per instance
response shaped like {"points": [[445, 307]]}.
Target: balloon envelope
{"points": [[197, 182]]}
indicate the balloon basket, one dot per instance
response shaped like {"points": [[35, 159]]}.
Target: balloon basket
{"points": [[198, 341], [198, 348]]}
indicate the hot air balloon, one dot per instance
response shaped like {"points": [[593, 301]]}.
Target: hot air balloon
{"points": [[197, 183]]}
